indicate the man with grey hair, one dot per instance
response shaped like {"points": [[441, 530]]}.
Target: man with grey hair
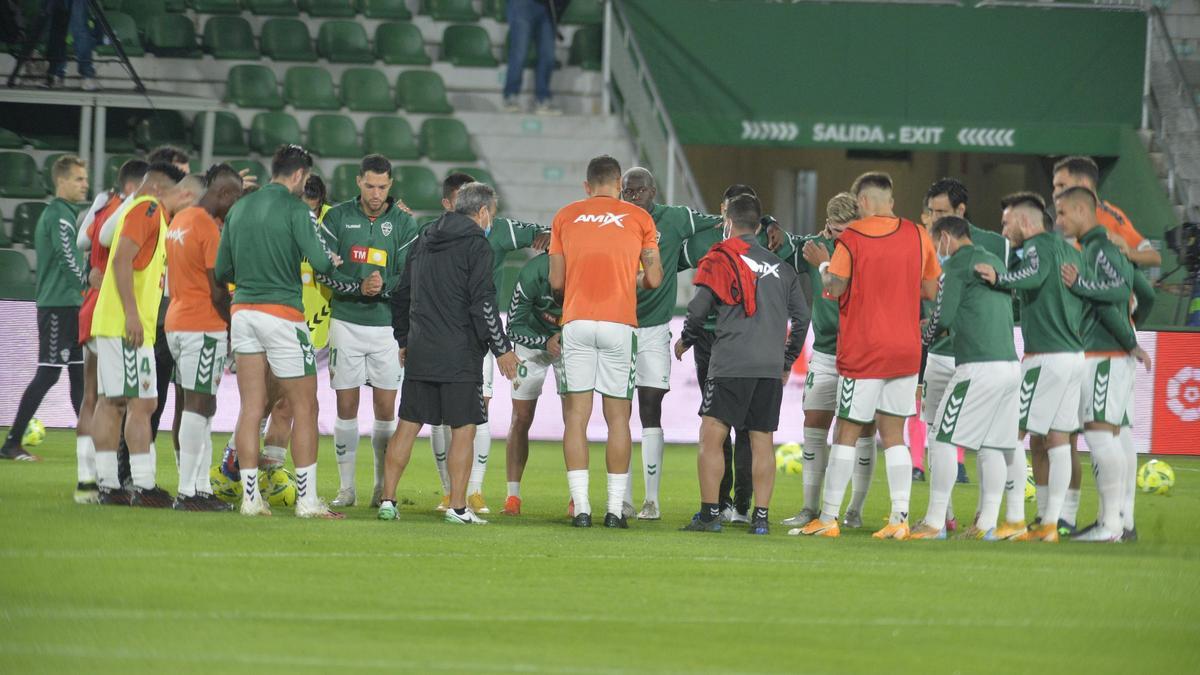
{"points": [[444, 318]]}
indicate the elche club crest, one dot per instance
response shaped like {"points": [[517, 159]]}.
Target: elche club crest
{"points": [[386, 228]]}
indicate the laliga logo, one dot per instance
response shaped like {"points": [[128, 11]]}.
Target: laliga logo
{"points": [[1183, 394], [602, 218]]}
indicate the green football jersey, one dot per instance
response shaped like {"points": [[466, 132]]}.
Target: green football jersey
{"points": [[1106, 283], [825, 310], [533, 314], [61, 273], [987, 240], [696, 247], [366, 245], [977, 316], [1050, 313], [507, 235], [675, 225]]}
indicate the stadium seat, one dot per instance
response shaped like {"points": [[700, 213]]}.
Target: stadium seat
{"points": [[5, 241], [175, 6], [391, 137], [228, 137], [422, 91], [445, 139], [467, 45], [11, 139], [25, 219], [159, 128], [583, 12], [344, 42], [497, 9], [400, 43], [109, 5], [343, 185], [229, 37], [287, 40], [269, 130], [333, 136], [587, 48], [256, 169], [172, 35], [126, 31], [112, 167], [48, 162], [143, 11], [366, 90], [418, 187], [384, 9], [481, 175], [213, 6], [19, 177], [530, 56], [310, 88], [451, 10], [272, 7], [328, 8], [252, 86], [16, 278]]}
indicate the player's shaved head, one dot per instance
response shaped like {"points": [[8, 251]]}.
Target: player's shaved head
{"points": [[953, 227], [450, 187], [872, 180], [224, 187], [744, 213], [1075, 211], [1023, 215], [638, 187], [873, 190], [603, 177], [1078, 194], [130, 175]]}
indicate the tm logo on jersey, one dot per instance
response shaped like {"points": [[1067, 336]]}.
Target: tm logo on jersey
{"points": [[603, 219]]}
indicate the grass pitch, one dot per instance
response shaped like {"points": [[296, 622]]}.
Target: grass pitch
{"points": [[131, 590]]}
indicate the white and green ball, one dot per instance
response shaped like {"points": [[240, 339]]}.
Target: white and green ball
{"points": [[277, 486], [35, 433]]}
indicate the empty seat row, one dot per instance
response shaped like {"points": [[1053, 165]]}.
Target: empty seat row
{"points": [[362, 89], [25, 218], [441, 139], [372, 9]]}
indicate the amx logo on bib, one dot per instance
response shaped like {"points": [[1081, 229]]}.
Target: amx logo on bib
{"points": [[763, 270], [603, 219]]}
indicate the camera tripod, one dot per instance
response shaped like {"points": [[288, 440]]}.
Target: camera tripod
{"points": [[39, 24]]}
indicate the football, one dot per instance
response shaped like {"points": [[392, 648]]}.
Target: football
{"points": [[279, 488], [35, 433], [786, 456], [1030, 486], [228, 491], [1156, 477]]}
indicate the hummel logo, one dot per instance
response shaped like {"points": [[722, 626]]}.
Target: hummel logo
{"points": [[482, 459], [603, 219], [339, 448], [808, 456], [651, 469], [763, 270]]}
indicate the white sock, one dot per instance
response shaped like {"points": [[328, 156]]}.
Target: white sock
{"points": [[1070, 511], [153, 456], [1014, 487], [380, 435], [106, 469], [577, 483], [250, 485], [1108, 465], [191, 450], [616, 492], [837, 476], [864, 470], [514, 488], [439, 440], [652, 456], [1129, 479], [141, 469], [85, 459], [203, 485], [942, 461], [345, 446], [899, 475], [1040, 490], [274, 454], [993, 473], [1058, 483], [813, 460], [306, 484], [483, 449]]}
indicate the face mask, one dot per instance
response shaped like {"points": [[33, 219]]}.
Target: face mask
{"points": [[727, 230], [943, 256], [488, 229]]}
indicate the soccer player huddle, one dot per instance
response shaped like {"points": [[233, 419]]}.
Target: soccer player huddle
{"points": [[215, 266]]}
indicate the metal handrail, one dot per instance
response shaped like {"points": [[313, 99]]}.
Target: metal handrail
{"points": [[1109, 6], [1177, 171]]}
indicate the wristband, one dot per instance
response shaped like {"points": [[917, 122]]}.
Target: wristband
{"points": [[823, 267]]}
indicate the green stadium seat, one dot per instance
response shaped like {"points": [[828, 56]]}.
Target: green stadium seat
{"points": [[481, 175], [213, 6], [143, 11], [112, 167], [452, 10], [384, 9], [161, 128], [418, 187], [5, 241], [328, 8], [391, 137], [16, 277], [344, 42], [228, 137], [25, 219], [366, 90], [400, 43], [251, 86], [19, 177], [110, 6], [256, 169], [467, 46], [175, 6], [126, 31], [343, 185], [583, 12], [587, 48], [229, 37], [287, 40], [310, 88], [172, 35], [47, 177], [445, 139], [269, 130], [333, 136], [497, 9], [422, 91], [11, 139], [272, 7]]}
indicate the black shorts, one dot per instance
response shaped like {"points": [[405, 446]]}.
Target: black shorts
{"points": [[744, 402], [454, 403], [58, 336]]}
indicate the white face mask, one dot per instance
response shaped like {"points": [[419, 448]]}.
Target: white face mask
{"points": [[943, 256], [727, 230]]}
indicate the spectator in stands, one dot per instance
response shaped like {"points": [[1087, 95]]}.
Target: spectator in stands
{"points": [[531, 20], [70, 15]]}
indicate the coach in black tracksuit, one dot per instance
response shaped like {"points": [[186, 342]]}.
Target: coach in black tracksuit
{"points": [[444, 318]]}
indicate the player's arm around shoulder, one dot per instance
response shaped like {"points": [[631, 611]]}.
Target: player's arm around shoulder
{"points": [[652, 270]]}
